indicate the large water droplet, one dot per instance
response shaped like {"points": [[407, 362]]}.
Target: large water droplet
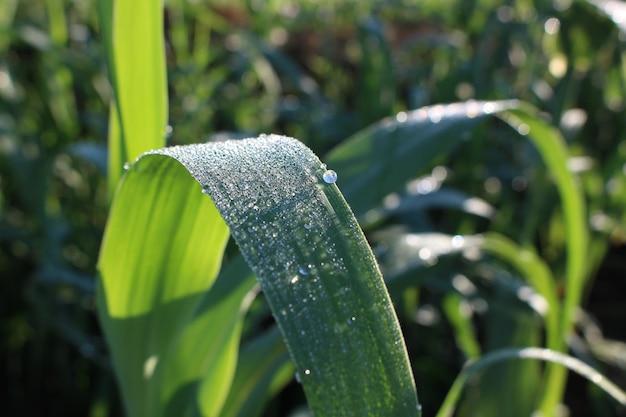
{"points": [[329, 176]]}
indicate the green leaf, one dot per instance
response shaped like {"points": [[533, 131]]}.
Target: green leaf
{"points": [[301, 240], [493, 358], [316, 270], [205, 361], [376, 87], [554, 152], [161, 251], [263, 370], [136, 60], [379, 160]]}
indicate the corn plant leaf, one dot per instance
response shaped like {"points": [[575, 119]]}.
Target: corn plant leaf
{"points": [[379, 160], [496, 357], [161, 252], [554, 152], [263, 370], [137, 71], [304, 245]]}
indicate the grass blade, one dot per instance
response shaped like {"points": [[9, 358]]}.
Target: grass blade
{"points": [[161, 251], [553, 150], [568, 362], [137, 71], [263, 369], [379, 160], [316, 270]]}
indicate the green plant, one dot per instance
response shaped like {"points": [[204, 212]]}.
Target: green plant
{"points": [[496, 223], [303, 244]]}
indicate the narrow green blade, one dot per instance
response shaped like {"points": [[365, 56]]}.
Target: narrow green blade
{"points": [[136, 59], [554, 152], [263, 369]]}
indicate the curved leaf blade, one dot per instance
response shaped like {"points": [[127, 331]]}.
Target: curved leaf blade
{"points": [[316, 269], [380, 159], [161, 251], [263, 369], [568, 362]]}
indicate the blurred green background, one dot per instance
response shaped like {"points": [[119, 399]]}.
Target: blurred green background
{"points": [[320, 72]]}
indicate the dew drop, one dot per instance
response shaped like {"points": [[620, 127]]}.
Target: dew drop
{"points": [[205, 191], [127, 166], [523, 129], [168, 131], [323, 166], [307, 372], [306, 269], [294, 279], [329, 176], [457, 241]]}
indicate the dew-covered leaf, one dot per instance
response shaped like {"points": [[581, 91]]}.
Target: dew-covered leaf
{"points": [[317, 272], [301, 240]]}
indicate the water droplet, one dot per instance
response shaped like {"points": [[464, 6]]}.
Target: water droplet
{"points": [[307, 372], [294, 279], [306, 269], [351, 320], [435, 114], [323, 166], [457, 241], [523, 129], [489, 108], [168, 131], [329, 176], [127, 166], [205, 191], [149, 366]]}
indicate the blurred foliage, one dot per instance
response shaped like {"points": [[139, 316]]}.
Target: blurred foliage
{"points": [[321, 72]]}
